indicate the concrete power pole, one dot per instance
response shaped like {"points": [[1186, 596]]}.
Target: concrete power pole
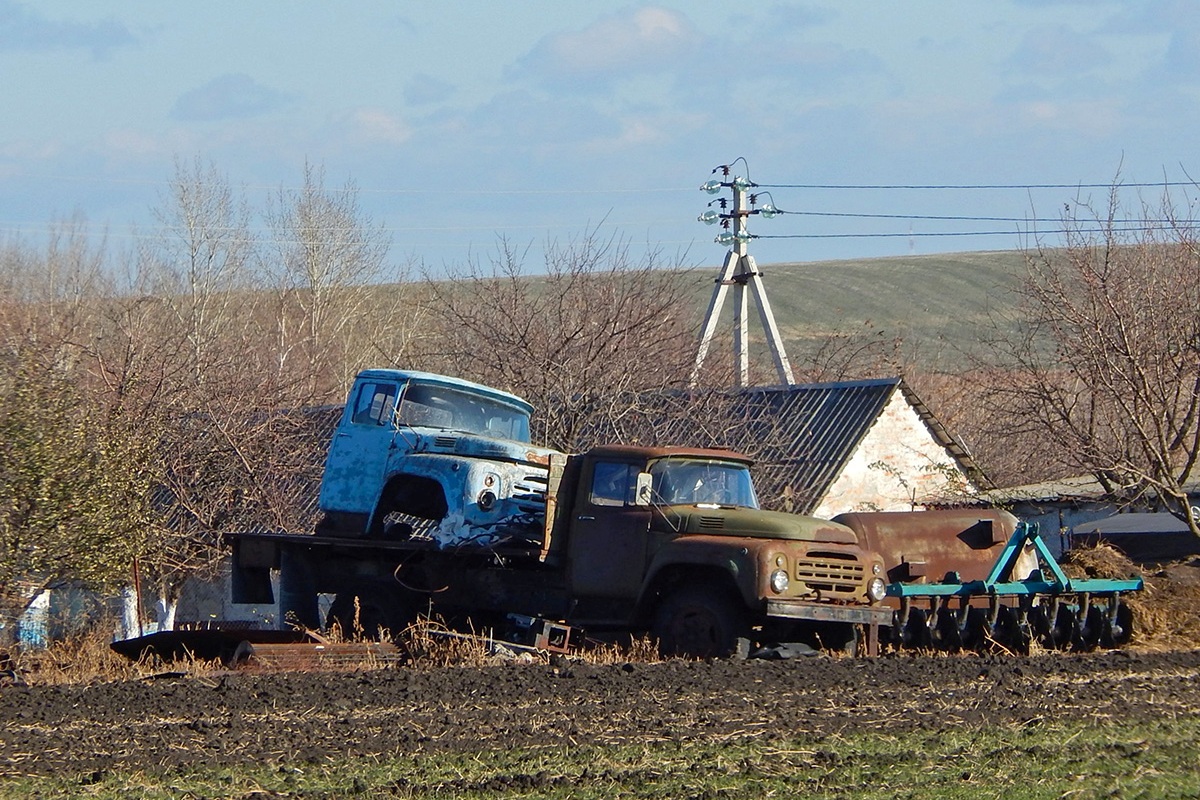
{"points": [[738, 272]]}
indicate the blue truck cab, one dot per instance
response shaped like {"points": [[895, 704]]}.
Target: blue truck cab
{"points": [[424, 456]]}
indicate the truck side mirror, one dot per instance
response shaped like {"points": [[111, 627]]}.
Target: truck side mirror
{"points": [[643, 491]]}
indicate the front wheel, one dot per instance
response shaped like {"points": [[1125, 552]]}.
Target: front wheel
{"points": [[701, 623]]}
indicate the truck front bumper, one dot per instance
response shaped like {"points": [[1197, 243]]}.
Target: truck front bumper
{"points": [[822, 612]]}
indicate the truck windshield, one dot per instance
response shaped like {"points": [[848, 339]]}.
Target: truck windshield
{"points": [[429, 405], [678, 481]]}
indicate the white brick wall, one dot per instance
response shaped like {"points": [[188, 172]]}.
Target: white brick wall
{"points": [[897, 466]]}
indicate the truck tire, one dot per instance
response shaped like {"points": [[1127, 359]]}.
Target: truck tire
{"points": [[375, 612], [701, 623], [297, 591]]}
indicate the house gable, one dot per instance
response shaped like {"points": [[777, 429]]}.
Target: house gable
{"points": [[899, 465]]}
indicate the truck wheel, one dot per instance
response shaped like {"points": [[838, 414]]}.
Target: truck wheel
{"points": [[376, 613], [701, 623]]}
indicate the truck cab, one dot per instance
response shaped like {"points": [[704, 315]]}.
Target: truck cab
{"points": [[418, 454], [673, 539]]}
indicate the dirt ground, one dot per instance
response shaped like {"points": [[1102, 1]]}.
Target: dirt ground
{"points": [[241, 718], [298, 718]]}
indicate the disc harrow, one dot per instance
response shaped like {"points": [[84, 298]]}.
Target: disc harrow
{"points": [[1045, 606]]}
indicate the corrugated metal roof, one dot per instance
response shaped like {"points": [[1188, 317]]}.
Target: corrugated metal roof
{"points": [[805, 434], [800, 437], [1078, 489]]}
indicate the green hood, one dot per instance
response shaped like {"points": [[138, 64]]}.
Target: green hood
{"points": [[750, 522]]}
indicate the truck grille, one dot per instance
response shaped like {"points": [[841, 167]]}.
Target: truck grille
{"points": [[529, 493], [836, 573]]}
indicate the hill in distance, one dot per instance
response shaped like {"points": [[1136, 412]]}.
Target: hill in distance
{"points": [[940, 304]]}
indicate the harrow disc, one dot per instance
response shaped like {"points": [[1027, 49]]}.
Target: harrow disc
{"points": [[1120, 628], [914, 632], [1063, 628], [975, 630], [1010, 631], [1094, 626], [947, 635]]}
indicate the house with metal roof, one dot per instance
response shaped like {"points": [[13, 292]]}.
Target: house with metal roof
{"points": [[1077, 509], [827, 448], [822, 448]]}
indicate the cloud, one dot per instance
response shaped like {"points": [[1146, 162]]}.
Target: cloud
{"points": [[375, 126], [1172, 66], [1150, 17], [1058, 51], [1182, 60], [520, 121], [227, 97], [792, 17], [631, 42], [423, 89], [821, 62], [23, 29]]}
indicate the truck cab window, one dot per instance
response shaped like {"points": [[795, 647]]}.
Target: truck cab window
{"points": [[374, 404], [429, 405], [693, 481], [613, 484]]}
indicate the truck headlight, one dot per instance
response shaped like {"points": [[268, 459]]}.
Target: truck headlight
{"points": [[779, 581], [876, 589], [487, 499]]}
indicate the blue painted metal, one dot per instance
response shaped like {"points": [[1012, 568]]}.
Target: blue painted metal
{"points": [[1000, 582], [450, 456]]}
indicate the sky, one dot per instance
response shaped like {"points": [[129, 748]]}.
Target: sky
{"points": [[463, 122]]}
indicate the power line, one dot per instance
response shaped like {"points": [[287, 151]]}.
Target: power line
{"points": [[942, 218], [969, 186], [355, 188], [1059, 232]]}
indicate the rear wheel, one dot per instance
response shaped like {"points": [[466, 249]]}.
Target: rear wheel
{"points": [[376, 611], [702, 623]]}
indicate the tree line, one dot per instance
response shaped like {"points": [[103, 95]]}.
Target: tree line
{"points": [[151, 399]]}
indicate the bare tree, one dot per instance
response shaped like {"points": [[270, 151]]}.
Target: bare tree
{"points": [[202, 257], [579, 341], [325, 264], [1104, 373], [849, 353], [74, 499]]}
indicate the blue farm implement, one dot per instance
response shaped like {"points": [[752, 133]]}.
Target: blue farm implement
{"points": [[1044, 605]]}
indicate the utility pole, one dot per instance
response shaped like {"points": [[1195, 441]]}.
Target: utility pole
{"points": [[738, 272]]}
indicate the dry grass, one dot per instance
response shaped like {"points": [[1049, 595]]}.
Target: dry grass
{"points": [[87, 658], [1168, 610], [1166, 613], [1166, 617], [427, 643]]}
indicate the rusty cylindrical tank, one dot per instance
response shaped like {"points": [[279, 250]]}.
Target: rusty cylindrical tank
{"points": [[926, 546]]}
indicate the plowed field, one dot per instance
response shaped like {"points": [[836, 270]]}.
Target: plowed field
{"points": [[237, 719], [243, 719]]}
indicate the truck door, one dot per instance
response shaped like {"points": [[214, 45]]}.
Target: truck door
{"points": [[607, 549], [358, 454]]}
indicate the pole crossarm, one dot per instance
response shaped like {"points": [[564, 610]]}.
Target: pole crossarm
{"points": [[738, 272]]}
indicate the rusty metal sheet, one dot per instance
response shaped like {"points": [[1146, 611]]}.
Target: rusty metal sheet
{"points": [[304, 656]]}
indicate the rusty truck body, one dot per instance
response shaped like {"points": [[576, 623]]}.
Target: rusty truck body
{"points": [[435, 501]]}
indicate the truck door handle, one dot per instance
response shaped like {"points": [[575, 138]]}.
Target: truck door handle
{"points": [[586, 518]]}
